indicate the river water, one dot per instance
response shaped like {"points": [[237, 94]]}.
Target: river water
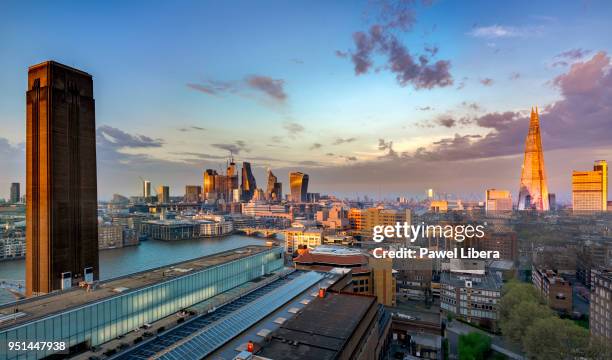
{"points": [[149, 254]]}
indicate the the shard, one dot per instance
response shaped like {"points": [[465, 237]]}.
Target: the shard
{"points": [[533, 193]]}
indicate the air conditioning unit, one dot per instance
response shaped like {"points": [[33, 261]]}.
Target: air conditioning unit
{"points": [[468, 284], [89, 275], [66, 280]]}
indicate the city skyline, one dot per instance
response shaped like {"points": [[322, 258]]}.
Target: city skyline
{"points": [[446, 125]]}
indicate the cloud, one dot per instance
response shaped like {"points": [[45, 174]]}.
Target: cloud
{"points": [[115, 138], [569, 56], [573, 54], [340, 141], [271, 88], [418, 71], [191, 128], [496, 31], [235, 148], [446, 122], [486, 81], [471, 106], [213, 87], [388, 147], [581, 118], [274, 88], [341, 54], [293, 128], [462, 83], [315, 146]]}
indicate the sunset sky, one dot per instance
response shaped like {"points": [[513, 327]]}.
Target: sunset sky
{"points": [[367, 97]]}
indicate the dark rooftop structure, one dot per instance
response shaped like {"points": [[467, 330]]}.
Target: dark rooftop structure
{"points": [[335, 326]]}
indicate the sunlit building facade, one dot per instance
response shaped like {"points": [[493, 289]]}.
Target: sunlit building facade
{"points": [[193, 193], [163, 194], [298, 183], [61, 180], [274, 192], [498, 200], [590, 188], [533, 191]]}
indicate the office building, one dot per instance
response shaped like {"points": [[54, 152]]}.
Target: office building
{"points": [[296, 238], [193, 193], [146, 189], [556, 290], [274, 192], [163, 194], [298, 183], [498, 200], [471, 295], [61, 211], [86, 317], [506, 243], [533, 191], [248, 182], [414, 277], [208, 182], [12, 247], [15, 193], [110, 236], [334, 218], [590, 188], [231, 180], [362, 221], [600, 317], [370, 276]]}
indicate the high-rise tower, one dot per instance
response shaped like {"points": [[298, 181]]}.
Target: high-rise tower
{"points": [[61, 206], [248, 182], [298, 183], [533, 193]]}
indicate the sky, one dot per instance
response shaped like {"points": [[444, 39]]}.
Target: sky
{"points": [[375, 98]]}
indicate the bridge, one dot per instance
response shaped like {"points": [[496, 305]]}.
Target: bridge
{"points": [[265, 232]]}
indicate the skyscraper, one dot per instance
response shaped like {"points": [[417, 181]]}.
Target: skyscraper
{"points": [[248, 182], [208, 185], [590, 188], [533, 192], [163, 194], [274, 192], [193, 193], [498, 200], [231, 181], [298, 183], [146, 189], [61, 209], [15, 193]]}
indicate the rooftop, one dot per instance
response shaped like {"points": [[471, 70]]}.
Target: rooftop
{"points": [[321, 330], [61, 301], [489, 281]]}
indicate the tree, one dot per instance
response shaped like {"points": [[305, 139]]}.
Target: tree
{"points": [[474, 346], [522, 316], [514, 294], [553, 338], [599, 349]]}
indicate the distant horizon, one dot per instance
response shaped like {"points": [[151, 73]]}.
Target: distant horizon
{"points": [[396, 100]]}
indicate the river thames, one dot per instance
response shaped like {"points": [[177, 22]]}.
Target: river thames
{"points": [[149, 254]]}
